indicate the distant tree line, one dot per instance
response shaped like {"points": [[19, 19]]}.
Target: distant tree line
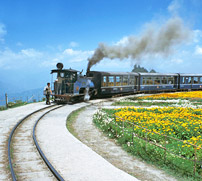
{"points": [[138, 68]]}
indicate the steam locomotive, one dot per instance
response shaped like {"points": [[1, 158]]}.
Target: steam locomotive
{"points": [[70, 85]]}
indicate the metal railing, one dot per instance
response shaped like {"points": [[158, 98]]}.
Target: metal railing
{"points": [[164, 147]]}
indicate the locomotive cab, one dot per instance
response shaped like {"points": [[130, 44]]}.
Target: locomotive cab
{"points": [[64, 84]]}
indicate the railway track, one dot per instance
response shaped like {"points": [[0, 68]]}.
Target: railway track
{"points": [[26, 159]]}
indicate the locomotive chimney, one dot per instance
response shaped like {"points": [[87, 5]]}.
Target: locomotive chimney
{"points": [[87, 71]]}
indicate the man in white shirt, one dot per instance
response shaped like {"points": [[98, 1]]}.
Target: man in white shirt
{"points": [[47, 92]]}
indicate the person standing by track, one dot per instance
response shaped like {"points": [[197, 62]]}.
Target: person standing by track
{"points": [[47, 93]]}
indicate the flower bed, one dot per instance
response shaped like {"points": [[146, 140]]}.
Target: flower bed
{"points": [[164, 127], [194, 95]]}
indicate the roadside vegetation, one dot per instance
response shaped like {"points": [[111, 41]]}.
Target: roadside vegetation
{"points": [[165, 135], [17, 103], [70, 120]]}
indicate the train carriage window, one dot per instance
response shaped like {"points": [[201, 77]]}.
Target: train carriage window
{"points": [[196, 80], [164, 80], [111, 81], [74, 77], [62, 74], [183, 80], [132, 80], [104, 81], [149, 81], [118, 80], [200, 80], [70, 77], [157, 81], [144, 81], [125, 80], [189, 80], [170, 80], [186, 80]]}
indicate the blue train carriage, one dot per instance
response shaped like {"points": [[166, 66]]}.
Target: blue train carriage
{"points": [[158, 81], [190, 81], [109, 83], [71, 86]]}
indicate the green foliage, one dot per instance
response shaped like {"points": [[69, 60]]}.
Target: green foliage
{"points": [[138, 68], [140, 103], [139, 147], [2, 108], [71, 118], [16, 104]]}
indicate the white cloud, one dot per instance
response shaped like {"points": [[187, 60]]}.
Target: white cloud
{"points": [[11, 59], [76, 55], [73, 44], [177, 61], [197, 35], [77, 59], [32, 58], [198, 50], [122, 41], [31, 53], [2, 32], [174, 7], [70, 52]]}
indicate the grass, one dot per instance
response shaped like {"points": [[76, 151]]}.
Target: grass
{"points": [[140, 103], [18, 103], [70, 120], [2, 108], [148, 102]]}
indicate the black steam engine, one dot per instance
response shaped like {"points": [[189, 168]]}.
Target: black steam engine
{"points": [[70, 85]]}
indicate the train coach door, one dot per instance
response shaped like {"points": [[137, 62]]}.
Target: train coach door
{"points": [[135, 84], [175, 82]]}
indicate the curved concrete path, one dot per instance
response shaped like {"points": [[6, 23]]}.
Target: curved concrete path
{"points": [[72, 159]]}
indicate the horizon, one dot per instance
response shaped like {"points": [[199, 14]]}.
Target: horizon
{"points": [[35, 36]]}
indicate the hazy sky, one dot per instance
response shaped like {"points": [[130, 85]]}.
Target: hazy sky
{"points": [[35, 35]]}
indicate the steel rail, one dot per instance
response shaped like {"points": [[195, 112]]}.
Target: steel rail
{"points": [[52, 169], [10, 138]]}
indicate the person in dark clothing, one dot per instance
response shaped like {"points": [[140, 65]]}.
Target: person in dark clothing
{"points": [[47, 93]]}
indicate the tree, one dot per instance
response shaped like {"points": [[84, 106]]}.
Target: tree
{"points": [[138, 68], [152, 71]]}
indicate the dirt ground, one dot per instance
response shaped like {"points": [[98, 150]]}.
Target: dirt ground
{"points": [[112, 152]]}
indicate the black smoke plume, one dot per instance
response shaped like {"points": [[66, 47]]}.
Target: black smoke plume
{"points": [[151, 42]]}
